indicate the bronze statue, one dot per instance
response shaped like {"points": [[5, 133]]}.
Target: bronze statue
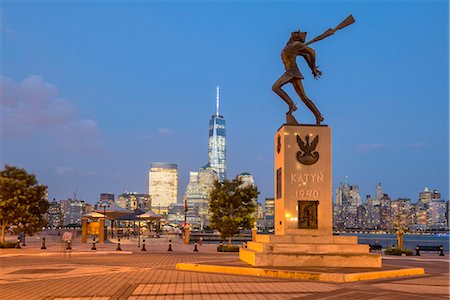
{"points": [[296, 46]]}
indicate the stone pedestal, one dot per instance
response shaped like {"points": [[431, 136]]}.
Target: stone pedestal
{"points": [[303, 208], [187, 235], [84, 229], [299, 185], [101, 232]]}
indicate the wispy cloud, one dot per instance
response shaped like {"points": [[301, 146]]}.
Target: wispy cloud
{"points": [[417, 145], [63, 170], [365, 148], [8, 30], [164, 131], [145, 137], [34, 106]]}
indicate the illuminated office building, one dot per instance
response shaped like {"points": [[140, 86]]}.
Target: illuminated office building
{"points": [[197, 196], [162, 186], [217, 143]]}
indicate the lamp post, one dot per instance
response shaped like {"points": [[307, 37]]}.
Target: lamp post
{"points": [[185, 215], [139, 233], [105, 228], [185, 210]]}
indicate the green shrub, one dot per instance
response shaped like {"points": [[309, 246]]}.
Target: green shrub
{"points": [[8, 245], [395, 251], [222, 248]]}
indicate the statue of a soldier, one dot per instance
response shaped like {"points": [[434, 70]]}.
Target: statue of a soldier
{"points": [[296, 46]]}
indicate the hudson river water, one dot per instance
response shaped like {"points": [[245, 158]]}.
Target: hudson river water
{"points": [[411, 240]]}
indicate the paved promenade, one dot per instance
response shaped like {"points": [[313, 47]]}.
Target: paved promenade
{"points": [[54, 273]]}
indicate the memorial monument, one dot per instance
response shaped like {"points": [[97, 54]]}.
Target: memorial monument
{"points": [[303, 183]]}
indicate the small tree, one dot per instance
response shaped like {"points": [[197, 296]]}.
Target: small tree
{"points": [[22, 200], [232, 206], [400, 224]]}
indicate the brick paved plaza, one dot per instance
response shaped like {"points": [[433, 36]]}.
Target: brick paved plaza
{"points": [[32, 273]]}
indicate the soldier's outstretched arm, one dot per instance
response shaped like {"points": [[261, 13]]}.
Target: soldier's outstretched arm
{"points": [[310, 56]]}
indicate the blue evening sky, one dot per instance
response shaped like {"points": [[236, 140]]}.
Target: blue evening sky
{"points": [[93, 92]]}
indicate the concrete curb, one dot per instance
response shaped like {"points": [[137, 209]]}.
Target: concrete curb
{"points": [[316, 276]]}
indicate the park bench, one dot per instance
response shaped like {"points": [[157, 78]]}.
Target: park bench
{"points": [[375, 247], [430, 248]]}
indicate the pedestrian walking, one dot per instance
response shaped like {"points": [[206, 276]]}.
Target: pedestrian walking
{"points": [[66, 240], [22, 238]]}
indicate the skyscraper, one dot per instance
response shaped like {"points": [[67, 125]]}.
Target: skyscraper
{"points": [[217, 143], [197, 195], [269, 213], [54, 214], [428, 195], [162, 185], [72, 211]]}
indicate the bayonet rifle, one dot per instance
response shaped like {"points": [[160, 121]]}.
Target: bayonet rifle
{"points": [[348, 21]]}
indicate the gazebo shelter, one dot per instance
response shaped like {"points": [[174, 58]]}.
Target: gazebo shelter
{"points": [[133, 222], [92, 223], [111, 212]]}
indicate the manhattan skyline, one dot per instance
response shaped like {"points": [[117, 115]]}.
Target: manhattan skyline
{"points": [[93, 93]]}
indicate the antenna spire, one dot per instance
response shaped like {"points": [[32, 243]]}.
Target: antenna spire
{"points": [[217, 102]]}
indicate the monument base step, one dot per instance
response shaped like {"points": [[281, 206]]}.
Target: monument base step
{"points": [[308, 248], [305, 239], [299, 259]]}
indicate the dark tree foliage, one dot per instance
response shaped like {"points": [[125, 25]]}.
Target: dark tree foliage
{"points": [[22, 201], [232, 205]]}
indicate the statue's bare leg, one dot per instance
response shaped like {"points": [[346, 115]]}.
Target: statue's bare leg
{"points": [[277, 89], [298, 86]]}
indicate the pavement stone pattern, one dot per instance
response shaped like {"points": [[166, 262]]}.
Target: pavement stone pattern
{"points": [[31, 273]]}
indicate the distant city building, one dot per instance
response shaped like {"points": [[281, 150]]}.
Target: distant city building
{"points": [[72, 211], [421, 218], [134, 201], [259, 211], [379, 192], [402, 213], [269, 213], [438, 211], [201, 182], [345, 211], [246, 178], [197, 196], [447, 213], [217, 143], [385, 212], [54, 214], [269, 207], [163, 186], [338, 196], [199, 187], [427, 195], [381, 213], [260, 220], [176, 213], [107, 198], [373, 212]]}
